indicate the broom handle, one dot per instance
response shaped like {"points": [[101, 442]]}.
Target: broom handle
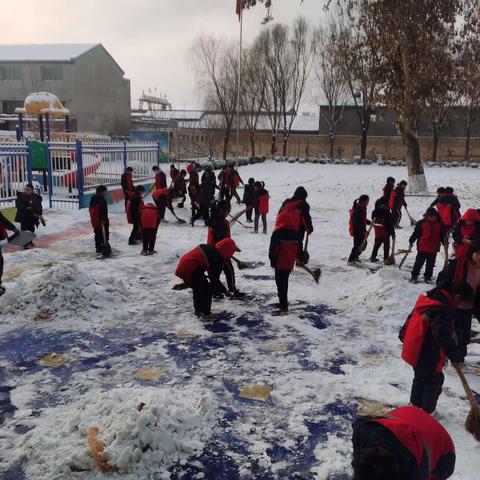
{"points": [[466, 386], [364, 243]]}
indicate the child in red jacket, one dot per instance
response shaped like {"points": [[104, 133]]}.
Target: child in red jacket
{"points": [[150, 220], [406, 444], [428, 338], [358, 227], [261, 206], [429, 234]]}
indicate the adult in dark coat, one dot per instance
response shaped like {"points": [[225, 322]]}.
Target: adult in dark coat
{"points": [[126, 181], [98, 210], [205, 196]]}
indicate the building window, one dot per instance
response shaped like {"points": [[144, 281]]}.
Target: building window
{"points": [[52, 73], [9, 106], [10, 73]]}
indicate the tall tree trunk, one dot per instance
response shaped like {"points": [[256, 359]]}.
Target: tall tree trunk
{"points": [[466, 156], [274, 144], [363, 144], [226, 140], [332, 141], [285, 144], [252, 144], [407, 123], [435, 144]]}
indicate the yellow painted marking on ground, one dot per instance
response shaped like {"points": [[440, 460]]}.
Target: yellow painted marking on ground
{"points": [[53, 360], [256, 392], [278, 346], [150, 373], [372, 407]]}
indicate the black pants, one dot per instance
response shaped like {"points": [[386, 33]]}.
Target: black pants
{"points": [[202, 213], [249, 213], [225, 194], [149, 238], [235, 194], [419, 262], [397, 216], [357, 243], [136, 233], [202, 292], [386, 247], [1, 265], [161, 205], [264, 221], [426, 388], [99, 243], [281, 279], [229, 275]]}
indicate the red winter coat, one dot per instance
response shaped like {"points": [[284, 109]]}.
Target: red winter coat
{"points": [[421, 434], [290, 217], [95, 216], [263, 204], [445, 212], [159, 192], [149, 216], [189, 263]]}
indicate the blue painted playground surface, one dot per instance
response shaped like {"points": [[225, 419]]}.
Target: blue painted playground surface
{"points": [[227, 450]]}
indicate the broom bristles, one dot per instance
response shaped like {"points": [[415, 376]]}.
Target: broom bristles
{"points": [[472, 423]]}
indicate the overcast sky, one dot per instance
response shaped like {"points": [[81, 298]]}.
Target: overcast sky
{"points": [[150, 39]]}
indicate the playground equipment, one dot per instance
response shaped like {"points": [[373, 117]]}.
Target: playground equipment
{"points": [[42, 105]]}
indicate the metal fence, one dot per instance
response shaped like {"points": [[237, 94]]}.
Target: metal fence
{"points": [[74, 169]]}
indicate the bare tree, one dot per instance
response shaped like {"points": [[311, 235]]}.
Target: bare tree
{"points": [[254, 87], [217, 70], [296, 73], [358, 69], [330, 80], [438, 109]]}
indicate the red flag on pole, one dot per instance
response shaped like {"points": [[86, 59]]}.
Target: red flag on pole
{"points": [[239, 8]]}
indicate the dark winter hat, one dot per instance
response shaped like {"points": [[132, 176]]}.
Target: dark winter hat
{"points": [[440, 190], [300, 194], [403, 182], [154, 168], [101, 188], [390, 180], [129, 169], [431, 212], [448, 190], [251, 181]]}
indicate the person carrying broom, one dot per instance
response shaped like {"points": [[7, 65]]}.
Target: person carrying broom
{"points": [[429, 338], [384, 228]]}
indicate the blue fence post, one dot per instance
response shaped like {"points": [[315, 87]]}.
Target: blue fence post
{"points": [[50, 174], [29, 162], [125, 156], [158, 153], [80, 178]]}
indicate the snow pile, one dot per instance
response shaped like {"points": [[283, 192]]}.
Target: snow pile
{"points": [[61, 288], [144, 429]]}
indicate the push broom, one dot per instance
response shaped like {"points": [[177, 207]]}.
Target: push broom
{"points": [[472, 424]]}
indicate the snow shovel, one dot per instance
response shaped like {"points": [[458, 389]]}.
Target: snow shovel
{"points": [[315, 273], [241, 265], [472, 424], [238, 221], [306, 255], [106, 249], [21, 239], [391, 259], [412, 221], [237, 216], [404, 258], [179, 220], [364, 244]]}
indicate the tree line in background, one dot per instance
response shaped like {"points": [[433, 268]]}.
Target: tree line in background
{"points": [[418, 59]]}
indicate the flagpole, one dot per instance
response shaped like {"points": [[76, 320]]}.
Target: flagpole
{"points": [[239, 81]]}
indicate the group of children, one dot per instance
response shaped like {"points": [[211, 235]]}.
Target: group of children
{"points": [[408, 443]]}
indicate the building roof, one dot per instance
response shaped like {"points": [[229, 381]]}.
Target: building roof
{"points": [[53, 52]]}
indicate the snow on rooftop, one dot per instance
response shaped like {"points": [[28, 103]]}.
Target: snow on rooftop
{"points": [[55, 52]]}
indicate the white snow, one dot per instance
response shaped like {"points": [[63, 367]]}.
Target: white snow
{"points": [[319, 375], [172, 427]]}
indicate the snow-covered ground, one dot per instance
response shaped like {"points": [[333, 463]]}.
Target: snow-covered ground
{"points": [[336, 355]]}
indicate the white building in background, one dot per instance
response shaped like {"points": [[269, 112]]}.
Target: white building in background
{"points": [[85, 77]]}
